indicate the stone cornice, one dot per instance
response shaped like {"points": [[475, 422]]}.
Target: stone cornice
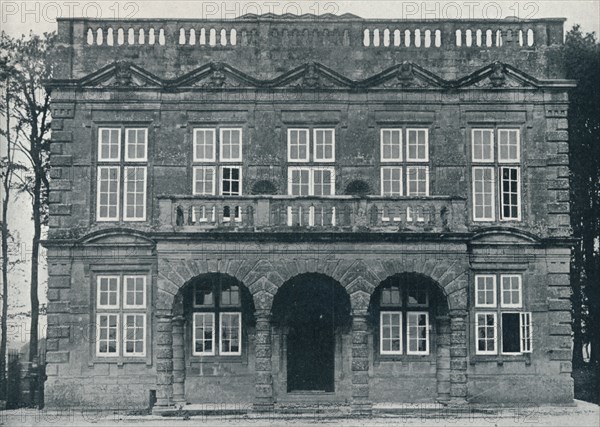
{"points": [[312, 76]]}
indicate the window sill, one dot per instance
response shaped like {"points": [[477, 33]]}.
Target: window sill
{"points": [[403, 358], [218, 359], [120, 361], [501, 359]]}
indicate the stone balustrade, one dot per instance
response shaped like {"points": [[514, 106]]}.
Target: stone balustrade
{"points": [[313, 31], [332, 213]]}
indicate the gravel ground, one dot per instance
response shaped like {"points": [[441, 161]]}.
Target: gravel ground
{"points": [[582, 415]]}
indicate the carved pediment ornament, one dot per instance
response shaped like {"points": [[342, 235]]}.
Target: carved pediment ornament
{"points": [[498, 76], [218, 78], [313, 78], [123, 75], [404, 77]]}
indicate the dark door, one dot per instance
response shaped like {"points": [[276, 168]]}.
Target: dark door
{"points": [[310, 356]]}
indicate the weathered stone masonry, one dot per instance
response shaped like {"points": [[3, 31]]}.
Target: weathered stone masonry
{"points": [[266, 75]]}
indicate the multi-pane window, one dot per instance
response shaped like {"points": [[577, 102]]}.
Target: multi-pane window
{"points": [[391, 332], [391, 181], [231, 145], [210, 176], [135, 193], [217, 319], [311, 181], [204, 334], [121, 328], [485, 290], [495, 157], [231, 180], [204, 180], [500, 323], [116, 171], [324, 145], [391, 145], [406, 159], [298, 145], [404, 318], [483, 194], [204, 145], [136, 145], [231, 332], [417, 332]]}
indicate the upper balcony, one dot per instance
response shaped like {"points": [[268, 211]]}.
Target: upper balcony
{"points": [[435, 214], [353, 46]]}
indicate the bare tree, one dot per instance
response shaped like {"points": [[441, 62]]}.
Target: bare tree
{"points": [[29, 57]]}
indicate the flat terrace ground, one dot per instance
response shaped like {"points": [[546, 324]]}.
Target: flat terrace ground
{"points": [[583, 414]]}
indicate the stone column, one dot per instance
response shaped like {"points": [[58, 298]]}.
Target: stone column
{"points": [[178, 361], [164, 361], [443, 358], [263, 398], [458, 357], [361, 405]]}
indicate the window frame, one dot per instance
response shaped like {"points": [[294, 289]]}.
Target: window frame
{"points": [[144, 333], [121, 310], [238, 314], [520, 291], [510, 130], [115, 306], [499, 310], [501, 193], [195, 170], [117, 353], [407, 144], [221, 145], [498, 164], [529, 328], [289, 145], [125, 217], [400, 338], [194, 338], [408, 335], [323, 160], [311, 179], [117, 216], [390, 168], [494, 314], [195, 157], [494, 304], [493, 196], [99, 148], [492, 143], [221, 168], [400, 132], [136, 159], [414, 167], [144, 292]]}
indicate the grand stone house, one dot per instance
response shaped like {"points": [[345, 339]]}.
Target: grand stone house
{"points": [[277, 209]]}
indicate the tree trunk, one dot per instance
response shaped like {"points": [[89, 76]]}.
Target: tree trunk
{"points": [[35, 304], [4, 319], [5, 201]]}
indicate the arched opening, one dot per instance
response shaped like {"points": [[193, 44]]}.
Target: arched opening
{"points": [[215, 317], [311, 316], [408, 318]]}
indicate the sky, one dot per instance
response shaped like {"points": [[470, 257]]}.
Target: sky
{"points": [[19, 17], [22, 16]]}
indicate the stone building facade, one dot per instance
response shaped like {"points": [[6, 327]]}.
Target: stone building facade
{"points": [[277, 209]]}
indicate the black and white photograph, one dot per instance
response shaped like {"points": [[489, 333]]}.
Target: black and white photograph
{"points": [[268, 213]]}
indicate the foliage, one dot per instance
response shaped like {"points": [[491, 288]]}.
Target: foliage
{"points": [[582, 63]]}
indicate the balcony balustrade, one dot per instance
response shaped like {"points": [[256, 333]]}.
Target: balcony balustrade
{"points": [[317, 214]]}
